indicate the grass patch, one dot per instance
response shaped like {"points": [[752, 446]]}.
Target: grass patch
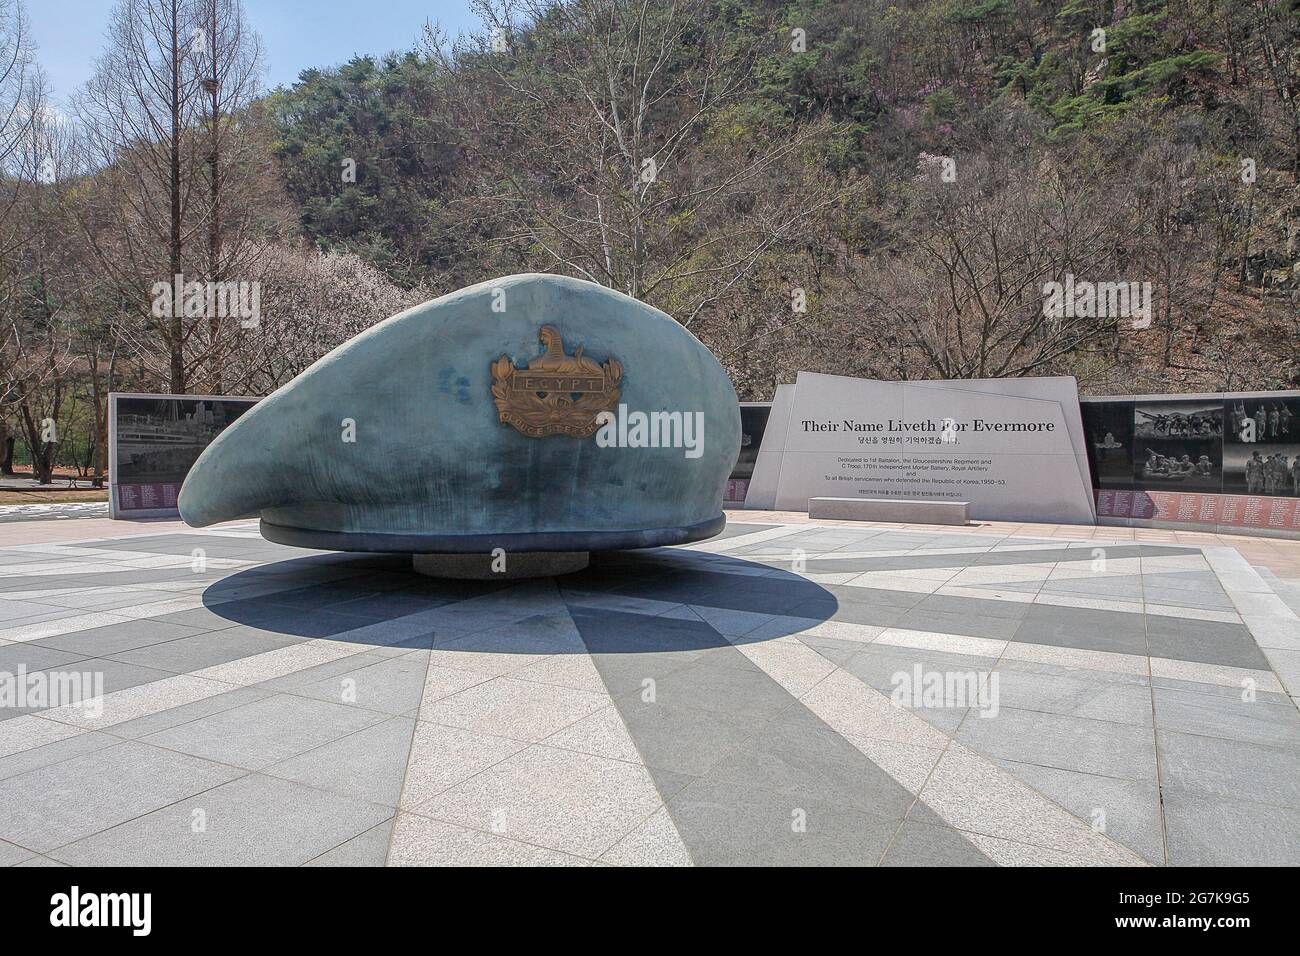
{"points": [[52, 497]]}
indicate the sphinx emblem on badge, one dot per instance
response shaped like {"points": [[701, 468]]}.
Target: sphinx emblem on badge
{"points": [[556, 394]]}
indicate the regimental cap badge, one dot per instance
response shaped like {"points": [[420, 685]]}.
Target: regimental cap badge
{"points": [[556, 394]]}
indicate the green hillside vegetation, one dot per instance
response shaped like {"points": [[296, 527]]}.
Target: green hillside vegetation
{"points": [[1115, 158]]}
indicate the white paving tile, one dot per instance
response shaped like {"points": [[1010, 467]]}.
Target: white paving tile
{"points": [[28, 731], [420, 841], [63, 625], [1215, 674], [522, 710], [949, 643], [559, 799], [139, 701], [654, 843], [1077, 657], [976, 796], [442, 757]]}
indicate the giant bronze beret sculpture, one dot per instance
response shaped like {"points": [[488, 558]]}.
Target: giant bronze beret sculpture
{"points": [[532, 414]]}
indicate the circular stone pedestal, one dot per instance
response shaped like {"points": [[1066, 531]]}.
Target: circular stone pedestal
{"points": [[484, 567]]}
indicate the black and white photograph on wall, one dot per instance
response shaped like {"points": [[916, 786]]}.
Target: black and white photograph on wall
{"points": [[1261, 454], [753, 422], [1185, 420], [158, 439], [1109, 430], [1178, 446], [1262, 420]]}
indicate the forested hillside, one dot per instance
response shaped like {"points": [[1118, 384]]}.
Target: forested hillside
{"points": [[801, 146], [864, 187]]}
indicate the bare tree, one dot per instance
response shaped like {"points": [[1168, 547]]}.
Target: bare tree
{"points": [[140, 110], [36, 348], [231, 64], [15, 123], [15, 72], [606, 119], [964, 295]]}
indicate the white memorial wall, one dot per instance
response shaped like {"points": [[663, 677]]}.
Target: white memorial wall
{"points": [[1013, 448]]}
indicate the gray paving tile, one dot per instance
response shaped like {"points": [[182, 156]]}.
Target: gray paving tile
{"points": [[944, 718], [1127, 811], [735, 687], [201, 618], [973, 607], [1229, 769], [1209, 642], [53, 805], [924, 844], [254, 821], [82, 679], [264, 732], [850, 597], [1208, 830], [680, 738], [12, 611], [35, 657], [970, 625], [296, 680], [163, 719], [1083, 628], [1105, 586], [368, 765], [392, 685], [53, 753], [11, 854], [107, 600], [1067, 743], [116, 638], [836, 650], [725, 824], [299, 622], [878, 664], [1175, 597], [367, 849], [387, 605], [618, 632], [735, 529], [1216, 690], [1210, 715], [339, 596], [192, 653], [1075, 692], [23, 557], [804, 758]]}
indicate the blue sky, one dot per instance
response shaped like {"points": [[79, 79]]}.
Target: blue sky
{"points": [[296, 34]]}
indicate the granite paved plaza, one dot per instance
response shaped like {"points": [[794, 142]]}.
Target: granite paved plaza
{"points": [[783, 694]]}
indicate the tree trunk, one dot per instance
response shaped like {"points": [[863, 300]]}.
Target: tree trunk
{"points": [[216, 360], [176, 333], [43, 464], [101, 434]]}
